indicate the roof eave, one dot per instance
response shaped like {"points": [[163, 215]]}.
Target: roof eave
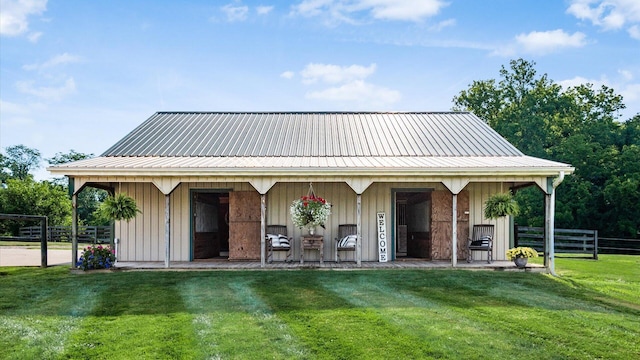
{"points": [[314, 171]]}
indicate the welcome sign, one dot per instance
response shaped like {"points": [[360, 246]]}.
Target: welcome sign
{"points": [[382, 237]]}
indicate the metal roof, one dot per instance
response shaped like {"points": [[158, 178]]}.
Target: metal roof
{"points": [[313, 134], [320, 143]]}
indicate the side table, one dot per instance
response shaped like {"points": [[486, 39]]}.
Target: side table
{"points": [[312, 242]]}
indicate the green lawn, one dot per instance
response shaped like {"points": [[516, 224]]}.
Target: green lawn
{"points": [[591, 311]]}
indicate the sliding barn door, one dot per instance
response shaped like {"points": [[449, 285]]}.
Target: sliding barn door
{"points": [[244, 225]]}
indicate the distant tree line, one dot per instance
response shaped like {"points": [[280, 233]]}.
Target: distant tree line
{"points": [[579, 126]]}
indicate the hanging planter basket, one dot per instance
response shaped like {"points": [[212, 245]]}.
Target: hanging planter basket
{"points": [[119, 207], [310, 211], [500, 205]]}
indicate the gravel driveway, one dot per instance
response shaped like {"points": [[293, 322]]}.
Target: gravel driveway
{"points": [[17, 256]]}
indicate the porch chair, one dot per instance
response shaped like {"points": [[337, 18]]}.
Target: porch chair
{"points": [[347, 240], [481, 240], [277, 240]]}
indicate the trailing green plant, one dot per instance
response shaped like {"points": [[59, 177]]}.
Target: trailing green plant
{"points": [[521, 252], [119, 207], [96, 257], [501, 204]]}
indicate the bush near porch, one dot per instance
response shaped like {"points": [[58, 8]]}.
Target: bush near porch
{"points": [[591, 311]]}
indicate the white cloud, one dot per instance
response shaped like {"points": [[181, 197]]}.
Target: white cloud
{"points": [[14, 15], [235, 13], [287, 74], [443, 24], [348, 10], [542, 42], [48, 93], [358, 91], [334, 74], [57, 60], [34, 37], [345, 84], [264, 10], [608, 14]]}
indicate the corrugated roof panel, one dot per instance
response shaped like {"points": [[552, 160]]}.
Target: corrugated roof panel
{"points": [[312, 135]]}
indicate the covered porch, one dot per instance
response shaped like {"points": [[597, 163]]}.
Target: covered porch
{"points": [[223, 264]]}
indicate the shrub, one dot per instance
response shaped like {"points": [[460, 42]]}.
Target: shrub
{"points": [[96, 257]]}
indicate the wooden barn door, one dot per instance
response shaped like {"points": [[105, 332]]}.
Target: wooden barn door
{"points": [[244, 225], [441, 224]]}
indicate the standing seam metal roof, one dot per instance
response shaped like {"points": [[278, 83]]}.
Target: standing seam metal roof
{"points": [[313, 134]]}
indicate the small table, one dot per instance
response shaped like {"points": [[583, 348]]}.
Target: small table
{"points": [[312, 242]]}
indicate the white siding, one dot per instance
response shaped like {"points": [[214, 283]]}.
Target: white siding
{"points": [[478, 195], [142, 239]]}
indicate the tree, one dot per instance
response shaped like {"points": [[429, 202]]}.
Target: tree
{"points": [[27, 196], [89, 199], [579, 126], [18, 162]]}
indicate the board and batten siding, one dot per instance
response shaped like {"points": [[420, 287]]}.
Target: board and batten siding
{"points": [[479, 193], [142, 238]]}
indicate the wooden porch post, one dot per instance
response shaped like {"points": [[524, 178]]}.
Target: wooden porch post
{"points": [[263, 230], [167, 229], [454, 235], [550, 233], [359, 229]]}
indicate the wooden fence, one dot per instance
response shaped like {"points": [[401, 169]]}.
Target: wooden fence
{"points": [[619, 246], [86, 234], [568, 241]]}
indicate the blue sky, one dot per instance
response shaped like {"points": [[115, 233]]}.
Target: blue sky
{"points": [[82, 74]]}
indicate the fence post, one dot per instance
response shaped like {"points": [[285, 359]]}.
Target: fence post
{"points": [[43, 242], [595, 244]]}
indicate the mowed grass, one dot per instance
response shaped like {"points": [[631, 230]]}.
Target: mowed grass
{"points": [[591, 311]]}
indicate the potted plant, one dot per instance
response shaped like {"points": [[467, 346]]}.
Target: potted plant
{"points": [[310, 211], [501, 204], [520, 255], [119, 207]]}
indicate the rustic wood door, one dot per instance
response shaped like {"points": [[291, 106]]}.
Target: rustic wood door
{"points": [[244, 225], [441, 224]]}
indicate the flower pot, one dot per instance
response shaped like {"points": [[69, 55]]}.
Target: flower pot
{"points": [[520, 262]]}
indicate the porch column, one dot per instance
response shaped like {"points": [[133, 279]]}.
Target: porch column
{"points": [[549, 255], [167, 229], [454, 235], [359, 229], [263, 231], [74, 229]]}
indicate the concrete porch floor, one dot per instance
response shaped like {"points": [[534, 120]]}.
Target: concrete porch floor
{"points": [[224, 264]]}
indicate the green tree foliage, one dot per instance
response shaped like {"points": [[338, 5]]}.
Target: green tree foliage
{"points": [[579, 126], [27, 196], [18, 162], [89, 199]]}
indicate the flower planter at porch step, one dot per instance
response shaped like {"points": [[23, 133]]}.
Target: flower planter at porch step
{"points": [[521, 262]]}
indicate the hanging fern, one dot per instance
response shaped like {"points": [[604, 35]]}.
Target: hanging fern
{"points": [[500, 205], [119, 207]]}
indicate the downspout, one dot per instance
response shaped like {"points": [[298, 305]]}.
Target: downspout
{"points": [[551, 222]]}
